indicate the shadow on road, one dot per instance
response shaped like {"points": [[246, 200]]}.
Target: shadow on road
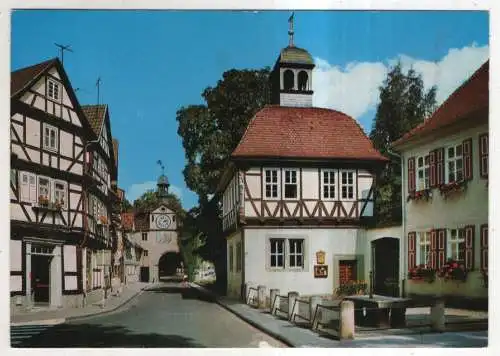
{"points": [[186, 292], [92, 335]]}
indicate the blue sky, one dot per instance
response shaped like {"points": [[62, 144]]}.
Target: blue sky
{"points": [[153, 62]]}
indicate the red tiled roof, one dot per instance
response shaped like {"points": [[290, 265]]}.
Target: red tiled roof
{"points": [[294, 132], [128, 221], [471, 97], [95, 116], [141, 221], [22, 77]]}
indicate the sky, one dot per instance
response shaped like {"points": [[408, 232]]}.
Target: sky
{"points": [[151, 63]]}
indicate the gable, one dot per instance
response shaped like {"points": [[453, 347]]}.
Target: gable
{"points": [[163, 209]]}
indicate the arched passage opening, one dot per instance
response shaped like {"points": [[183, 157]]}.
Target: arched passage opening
{"points": [[168, 264], [385, 266]]}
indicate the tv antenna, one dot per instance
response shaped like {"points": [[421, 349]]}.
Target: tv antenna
{"points": [[63, 48]]}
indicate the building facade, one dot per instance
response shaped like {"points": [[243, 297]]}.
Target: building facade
{"points": [[298, 194], [445, 191], [50, 187]]}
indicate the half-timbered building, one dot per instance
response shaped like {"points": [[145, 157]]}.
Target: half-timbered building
{"points": [[49, 135], [445, 190], [298, 192]]}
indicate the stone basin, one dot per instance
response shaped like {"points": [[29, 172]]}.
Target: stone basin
{"points": [[379, 311]]}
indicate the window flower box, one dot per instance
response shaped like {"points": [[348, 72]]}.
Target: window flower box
{"points": [[352, 288], [43, 201], [422, 273], [449, 189], [425, 194], [453, 270]]}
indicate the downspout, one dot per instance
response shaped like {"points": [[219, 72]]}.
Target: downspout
{"points": [[403, 227]]}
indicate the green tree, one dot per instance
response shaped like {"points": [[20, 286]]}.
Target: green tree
{"points": [[150, 200], [404, 104], [126, 206], [210, 132]]}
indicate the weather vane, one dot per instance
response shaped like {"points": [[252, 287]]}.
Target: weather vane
{"points": [[290, 29], [162, 167]]}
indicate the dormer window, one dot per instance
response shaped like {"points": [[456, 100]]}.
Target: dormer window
{"points": [[288, 80], [303, 81], [53, 90]]}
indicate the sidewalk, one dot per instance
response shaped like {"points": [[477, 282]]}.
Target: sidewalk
{"points": [[57, 316], [296, 336]]}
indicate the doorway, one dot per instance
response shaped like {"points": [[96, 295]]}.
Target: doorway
{"points": [[144, 274], [40, 275], [168, 265], [347, 271], [385, 266]]}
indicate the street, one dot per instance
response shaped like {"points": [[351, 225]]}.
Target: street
{"points": [[165, 316]]}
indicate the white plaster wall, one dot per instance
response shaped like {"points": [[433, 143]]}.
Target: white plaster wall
{"points": [[298, 100], [32, 132], [66, 143], [335, 242], [310, 186], [69, 258], [16, 255], [234, 278], [16, 283]]}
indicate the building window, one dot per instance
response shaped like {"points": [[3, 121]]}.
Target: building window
{"points": [[454, 164], [28, 187], [145, 253], [238, 257], [347, 185], [44, 187], [277, 253], [290, 184], [483, 155], [456, 245], [50, 137], [424, 248], [423, 173], [271, 177], [296, 253], [289, 80], [53, 90], [329, 184], [60, 194], [144, 236], [303, 80]]}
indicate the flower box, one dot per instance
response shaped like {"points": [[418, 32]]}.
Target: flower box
{"points": [[422, 273], [425, 194], [352, 288], [453, 270], [448, 190]]}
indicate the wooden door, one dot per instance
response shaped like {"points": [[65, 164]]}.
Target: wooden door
{"points": [[347, 271]]}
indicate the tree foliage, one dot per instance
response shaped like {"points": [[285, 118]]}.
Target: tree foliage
{"points": [[404, 103], [150, 201]]}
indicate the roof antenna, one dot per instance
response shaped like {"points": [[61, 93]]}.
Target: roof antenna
{"points": [[290, 30], [63, 48]]}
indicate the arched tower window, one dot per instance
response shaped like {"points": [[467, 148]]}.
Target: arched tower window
{"points": [[303, 80], [288, 79]]}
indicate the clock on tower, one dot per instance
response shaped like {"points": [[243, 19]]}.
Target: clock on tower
{"points": [[162, 221]]}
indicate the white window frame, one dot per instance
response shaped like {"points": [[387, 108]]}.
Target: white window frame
{"points": [[49, 193], [454, 238], [288, 180], [326, 187], [271, 183], [454, 159], [64, 191], [56, 89], [46, 140], [142, 236], [422, 168], [31, 181], [347, 185], [277, 240], [423, 239], [293, 254]]}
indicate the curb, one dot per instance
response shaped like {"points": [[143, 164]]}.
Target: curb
{"points": [[258, 326], [55, 321]]}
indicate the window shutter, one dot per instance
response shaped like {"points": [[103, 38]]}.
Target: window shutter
{"points": [[467, 154], [483, 155], [469, 247], [25, 187], [432, 169], [411, 175], [439, 166], [411, 250], [484, 246], [441, 248], [433, 251], [32, 188]]}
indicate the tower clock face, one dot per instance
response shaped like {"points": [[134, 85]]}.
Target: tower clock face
{"points": [[162, 221]]}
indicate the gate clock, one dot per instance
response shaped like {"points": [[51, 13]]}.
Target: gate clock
{"points": [[162, 221]]}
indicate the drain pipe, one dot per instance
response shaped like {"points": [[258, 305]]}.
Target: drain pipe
{"points": [[403, 227]]}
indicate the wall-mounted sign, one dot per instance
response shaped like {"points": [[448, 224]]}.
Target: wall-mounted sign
{"points": [[320, 257], [320, 271]]}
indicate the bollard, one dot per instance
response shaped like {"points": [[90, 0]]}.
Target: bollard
{"points": [[274, 301], [261, 297], [315, 300], [292, 296], [346, 323], [437, 315]]}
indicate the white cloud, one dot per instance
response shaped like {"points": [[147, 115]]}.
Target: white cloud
{"points": [[354, 88], [136, 190]]}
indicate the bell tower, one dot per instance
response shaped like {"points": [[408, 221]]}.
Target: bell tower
{"points": [[291, 78], [162, 183]]}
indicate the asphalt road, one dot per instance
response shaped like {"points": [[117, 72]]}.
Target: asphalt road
{"points": [[167, 316]]}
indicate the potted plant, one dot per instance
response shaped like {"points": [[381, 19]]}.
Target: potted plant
{"points": [[422, 272], [424, 194], [449, 189], [43, 200], [453, 270]]}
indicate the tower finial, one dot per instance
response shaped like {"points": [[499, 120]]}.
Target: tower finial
{"points": [[162, 167], [290, 30]]}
